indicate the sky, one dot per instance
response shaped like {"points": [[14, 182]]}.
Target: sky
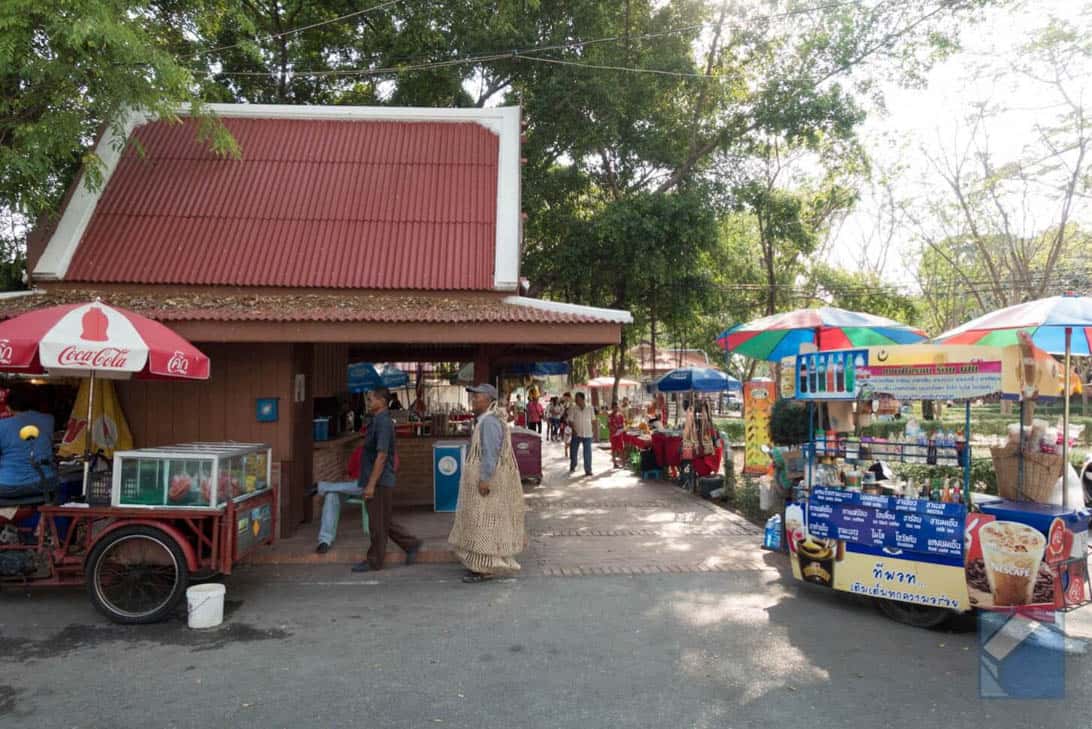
{"points": [[933, 121]]}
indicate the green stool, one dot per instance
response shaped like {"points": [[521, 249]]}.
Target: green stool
{"points": [[363, 512]]}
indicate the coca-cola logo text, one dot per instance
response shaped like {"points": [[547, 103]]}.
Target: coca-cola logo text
{"points": [[178, 364], [105, 358], [6, 352]]}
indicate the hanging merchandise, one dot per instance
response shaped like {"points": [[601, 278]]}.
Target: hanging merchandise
{"points": [[757, 404], [109, 429]]}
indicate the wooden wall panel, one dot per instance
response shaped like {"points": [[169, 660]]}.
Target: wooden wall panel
{"points": [[223, 408], [331, 370]]}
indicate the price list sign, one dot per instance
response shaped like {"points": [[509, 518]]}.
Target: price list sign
{"points": [[887, 522]]}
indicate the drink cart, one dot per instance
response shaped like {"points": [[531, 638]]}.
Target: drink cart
{"points": [[175, 513], [925, 550]]}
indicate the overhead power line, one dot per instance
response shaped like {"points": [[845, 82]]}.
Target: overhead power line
{"points": [[417, 64], [303, 28]]}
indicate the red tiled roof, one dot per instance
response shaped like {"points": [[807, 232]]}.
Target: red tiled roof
{"points": [[312, 203], [358, 308]]}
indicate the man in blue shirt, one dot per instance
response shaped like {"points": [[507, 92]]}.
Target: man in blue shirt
{"points": [[377, 479], [18, 477]]}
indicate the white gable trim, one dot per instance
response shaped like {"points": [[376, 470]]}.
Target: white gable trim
{"points": [[617, 316], [502, 121], [58, 252]]}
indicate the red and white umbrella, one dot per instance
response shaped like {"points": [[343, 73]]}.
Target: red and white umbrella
{"points": [[605, 382], [97, 340]]}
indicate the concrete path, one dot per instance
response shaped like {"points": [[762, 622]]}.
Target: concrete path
{"points": [[614, 523], [608, 523]]}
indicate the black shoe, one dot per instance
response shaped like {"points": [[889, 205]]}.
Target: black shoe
{"points": [[312, 491], [411, 554], [476, 577], [572, 471], [322, 548], [362, 567]]}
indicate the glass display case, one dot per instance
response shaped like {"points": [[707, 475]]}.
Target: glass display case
{"points": [[190, 475]]}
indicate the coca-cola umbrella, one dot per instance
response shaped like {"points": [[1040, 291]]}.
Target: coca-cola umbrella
{"points": [[95, 340]]}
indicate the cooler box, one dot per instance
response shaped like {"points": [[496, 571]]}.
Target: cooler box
{"points": [[448, 457], [527, 445]]}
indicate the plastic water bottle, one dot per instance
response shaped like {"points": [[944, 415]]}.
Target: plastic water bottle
{"points": [[771, 538]]}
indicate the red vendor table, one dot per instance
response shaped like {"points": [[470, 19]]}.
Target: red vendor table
{"points": [[668, 449]]}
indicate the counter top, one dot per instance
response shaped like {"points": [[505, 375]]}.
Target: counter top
{"points": [[339, 441]]}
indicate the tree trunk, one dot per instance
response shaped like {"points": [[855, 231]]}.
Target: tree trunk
{"points": [[619, 364], [652, 342]]}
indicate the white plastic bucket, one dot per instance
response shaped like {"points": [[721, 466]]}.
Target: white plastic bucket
{"points": [[205, 604]]}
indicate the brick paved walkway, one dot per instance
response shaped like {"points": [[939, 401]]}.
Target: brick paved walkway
{"points": [[614, 523], [609, 523]]}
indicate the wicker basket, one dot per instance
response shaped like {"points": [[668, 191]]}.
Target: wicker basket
{"points": [[1041, 472]]}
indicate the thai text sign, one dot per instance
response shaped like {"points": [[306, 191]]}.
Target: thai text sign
{"points": [[889, 523], [949, 381]]}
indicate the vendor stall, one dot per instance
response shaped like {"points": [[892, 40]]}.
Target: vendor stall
{"points": [[928, 548]]}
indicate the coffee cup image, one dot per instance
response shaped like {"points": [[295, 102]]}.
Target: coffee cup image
{"points": [[1011, 553], [794, 525], [816, 560]]}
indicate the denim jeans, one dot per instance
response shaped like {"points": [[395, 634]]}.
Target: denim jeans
{"points": [[587, 453], [333, 493]]}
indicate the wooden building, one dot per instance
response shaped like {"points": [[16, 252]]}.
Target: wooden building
{"points": [[342, 234]]}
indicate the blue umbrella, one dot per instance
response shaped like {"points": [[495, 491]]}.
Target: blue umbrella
{"points": [[393, 377], [539, 369], [363, 377], [697, 379]]}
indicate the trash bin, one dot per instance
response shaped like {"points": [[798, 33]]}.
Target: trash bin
{"points": [[527, 445], [448, 457]]}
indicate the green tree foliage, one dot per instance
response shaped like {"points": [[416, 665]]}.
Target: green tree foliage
{"points": [[68, 67], [860, 291]]}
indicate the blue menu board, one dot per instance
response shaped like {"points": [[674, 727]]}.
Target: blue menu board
{"points": [[888, 522]]}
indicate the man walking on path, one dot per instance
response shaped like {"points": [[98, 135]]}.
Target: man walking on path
{"points": [[489, 528], [580, 415], [377, 478]]}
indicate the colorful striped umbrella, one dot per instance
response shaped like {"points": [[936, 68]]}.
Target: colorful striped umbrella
{"points": [[1045, 320], [780, 335], [1057, 324]]}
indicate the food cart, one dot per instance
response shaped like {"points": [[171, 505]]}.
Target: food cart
{"points": [[141, 530], [929, 549], [175, 514]]}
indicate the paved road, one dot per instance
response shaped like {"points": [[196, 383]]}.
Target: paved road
{"points": [[639, 607], [316, 647]]}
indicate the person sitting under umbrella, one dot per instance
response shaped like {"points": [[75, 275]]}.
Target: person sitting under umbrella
{"points": [[18, 477]]}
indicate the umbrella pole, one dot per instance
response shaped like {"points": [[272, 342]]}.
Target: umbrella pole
{"points": [[1065, 420], [1020, 450], [87, 439]]}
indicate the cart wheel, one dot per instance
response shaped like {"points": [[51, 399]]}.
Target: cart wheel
{"points": [[136, 575], [919, 616]]}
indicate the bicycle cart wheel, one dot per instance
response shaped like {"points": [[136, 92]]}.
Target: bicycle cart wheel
{"points": [[919, 616], [136, 575]]}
